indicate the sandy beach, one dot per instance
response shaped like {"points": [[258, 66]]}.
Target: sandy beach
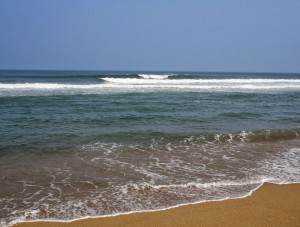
{"points": [[270, 205]]}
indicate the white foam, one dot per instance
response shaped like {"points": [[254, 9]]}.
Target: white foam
{"points": [[124, 85], [47, 86], [180, 83], [199, 185], [154, 76], [211, 82]]}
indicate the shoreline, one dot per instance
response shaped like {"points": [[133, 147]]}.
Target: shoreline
{"points": [[269, 204]]}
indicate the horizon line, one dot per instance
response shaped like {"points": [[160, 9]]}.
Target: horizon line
{"points": [[154, 71]]}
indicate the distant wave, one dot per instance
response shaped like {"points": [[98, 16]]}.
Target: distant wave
{"points": [[154, 76], [205, 84], [19, 86], [161, 79], [113, 84]]}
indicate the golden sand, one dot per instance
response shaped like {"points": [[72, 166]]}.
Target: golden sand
{"points": [[270, 205]]}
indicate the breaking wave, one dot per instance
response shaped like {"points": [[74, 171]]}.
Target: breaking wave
{"points": [[152, 83], [154, 76]]}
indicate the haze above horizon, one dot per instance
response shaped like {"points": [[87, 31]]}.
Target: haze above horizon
{"points": [[218, 36]]}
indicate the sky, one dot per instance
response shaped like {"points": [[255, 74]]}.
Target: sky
{"points": [[165, 35]]}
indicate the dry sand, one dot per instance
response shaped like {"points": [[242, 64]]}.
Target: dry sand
{"points": [[270, 205]]}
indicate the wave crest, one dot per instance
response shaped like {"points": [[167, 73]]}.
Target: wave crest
{"points": [[153, 76]]}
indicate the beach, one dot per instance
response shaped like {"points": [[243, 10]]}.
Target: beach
{"points": [[270, 205]]}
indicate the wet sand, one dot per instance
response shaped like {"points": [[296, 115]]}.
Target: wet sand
{"points": [[270, 205]]}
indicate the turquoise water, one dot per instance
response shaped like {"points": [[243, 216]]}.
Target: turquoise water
{"points": [[76, 144]]}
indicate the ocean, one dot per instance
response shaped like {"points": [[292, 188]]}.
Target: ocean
{"points": [[77, 144]]}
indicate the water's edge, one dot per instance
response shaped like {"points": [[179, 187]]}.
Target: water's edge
{"points": [[148, 211]]}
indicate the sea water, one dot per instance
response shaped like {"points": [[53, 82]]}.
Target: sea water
{"points": [[75, 144]]}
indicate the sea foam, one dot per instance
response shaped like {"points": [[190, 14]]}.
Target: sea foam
{"points": [[140, 84]]}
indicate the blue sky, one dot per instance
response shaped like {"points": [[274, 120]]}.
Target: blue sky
{"points": [[228, 35]]}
